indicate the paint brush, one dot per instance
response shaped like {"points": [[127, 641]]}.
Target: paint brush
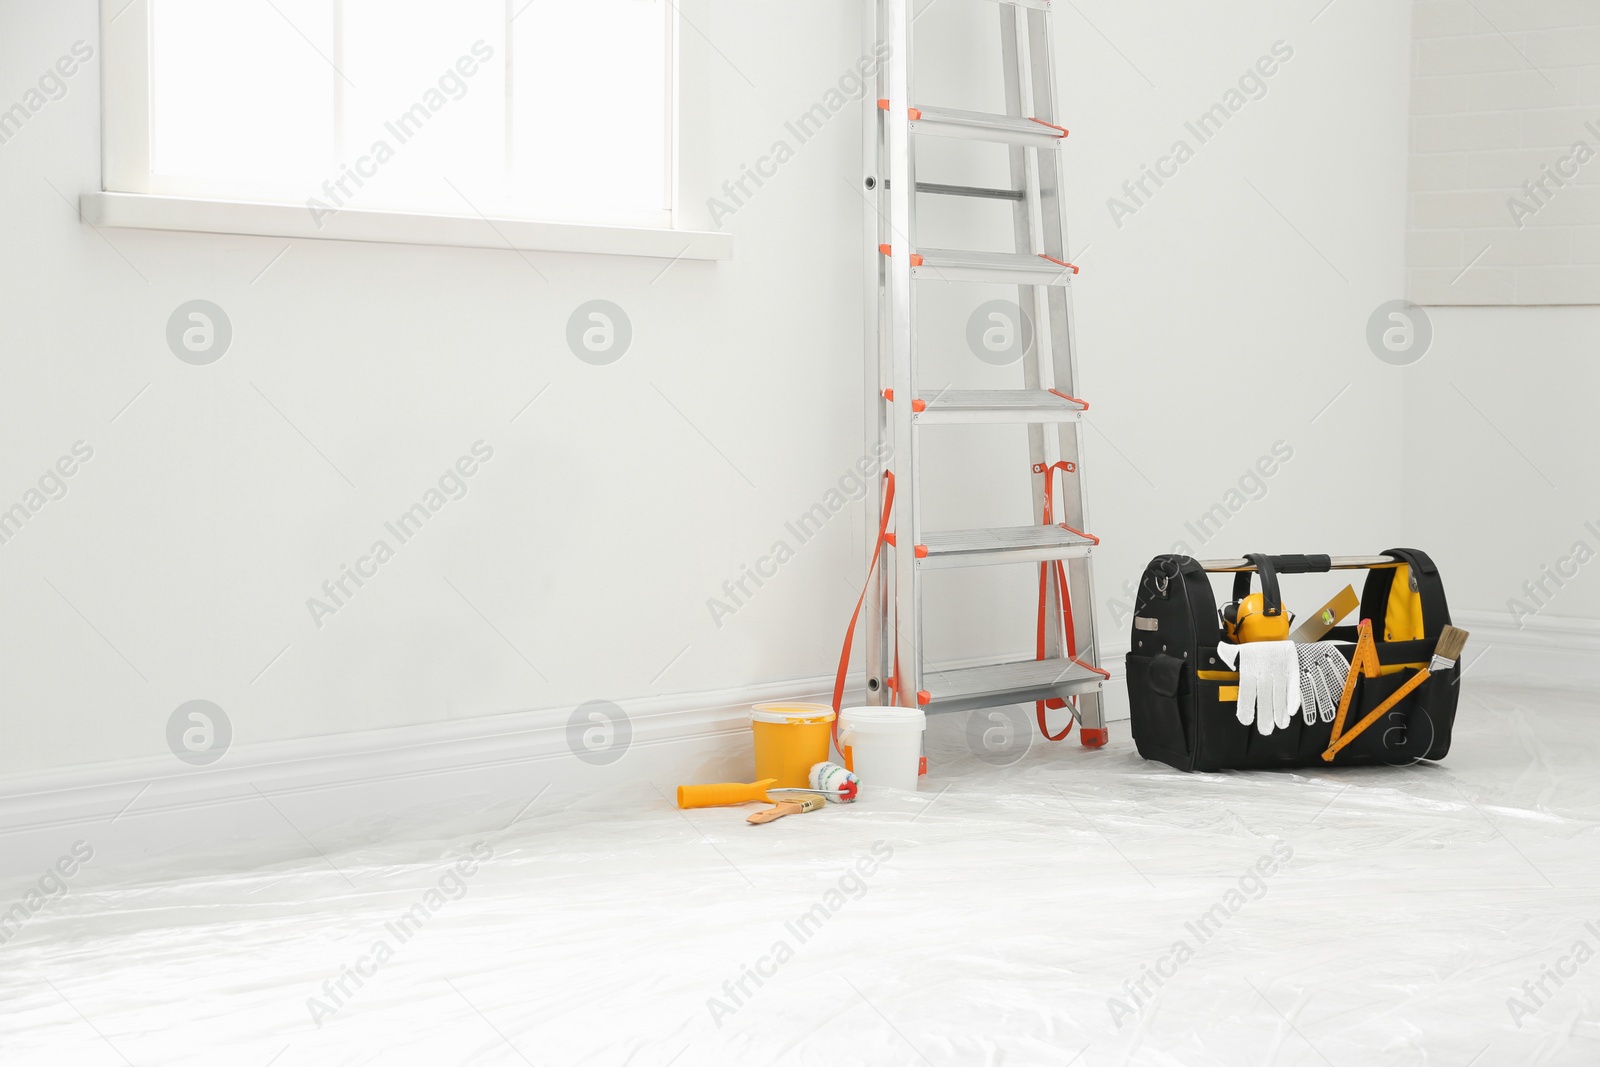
{"points": [[787, 807], [1452, 640]]}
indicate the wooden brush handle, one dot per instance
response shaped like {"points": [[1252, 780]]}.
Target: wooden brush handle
{"points": [[787, 807]]}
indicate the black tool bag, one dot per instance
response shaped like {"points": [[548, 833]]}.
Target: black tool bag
{"points": [[1179, 689]]}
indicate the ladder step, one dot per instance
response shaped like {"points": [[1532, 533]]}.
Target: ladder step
{"points": [[998, 406], [1015, 268], [995, 684], [968, 190], [995, 545], [981, 126]]}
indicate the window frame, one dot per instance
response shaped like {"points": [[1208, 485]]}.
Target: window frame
{"points": [[127, 198]]}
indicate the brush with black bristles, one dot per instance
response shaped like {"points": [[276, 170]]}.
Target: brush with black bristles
{"points": [[1452, 640]]}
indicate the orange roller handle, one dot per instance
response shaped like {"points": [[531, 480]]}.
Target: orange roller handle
{"points": [[722, 793]]}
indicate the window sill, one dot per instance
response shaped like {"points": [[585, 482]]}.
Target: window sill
{"points": [[146, 212]]}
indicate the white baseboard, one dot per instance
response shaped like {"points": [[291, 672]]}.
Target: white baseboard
{"points": [[289, 792], [1543, 651], [337, 790]]}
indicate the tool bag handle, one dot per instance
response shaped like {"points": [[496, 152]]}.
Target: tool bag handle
{"points": [[1269, 567], [1300, 564], [1271, 598]]}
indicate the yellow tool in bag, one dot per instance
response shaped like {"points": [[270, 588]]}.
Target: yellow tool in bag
{"points": [[1402, 619], [1256, 616], [1247, 620]]}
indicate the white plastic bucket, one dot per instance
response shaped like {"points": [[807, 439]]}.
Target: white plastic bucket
{"points": [[883, 745]]}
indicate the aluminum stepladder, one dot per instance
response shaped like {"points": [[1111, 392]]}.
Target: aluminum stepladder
{"points": [[900, 407]]}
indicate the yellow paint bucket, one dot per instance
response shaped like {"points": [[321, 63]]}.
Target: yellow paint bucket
{"points": [[789, 739]]}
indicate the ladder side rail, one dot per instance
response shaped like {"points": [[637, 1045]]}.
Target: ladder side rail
{"points": [[875, 654], [914, 659], [1052, 213], [1080, 573], [906, 638], [1030, 298], [1023, 212]]}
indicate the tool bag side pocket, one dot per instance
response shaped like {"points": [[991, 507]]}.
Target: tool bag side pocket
{"points": [[1223, 740], [1436, 700], [1402, 735], [1162, 708]]}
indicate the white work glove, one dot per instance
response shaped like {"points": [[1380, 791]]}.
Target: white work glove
{"points": [[1269, 682], [1323, 670]]}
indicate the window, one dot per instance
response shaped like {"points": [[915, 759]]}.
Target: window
{"points": [[547, 110]]}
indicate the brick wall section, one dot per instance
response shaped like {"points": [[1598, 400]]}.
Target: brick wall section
{"points": [[1505, 93]]}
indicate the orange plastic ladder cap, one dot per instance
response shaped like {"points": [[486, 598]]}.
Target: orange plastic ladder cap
{"points": [[1075, 400]]}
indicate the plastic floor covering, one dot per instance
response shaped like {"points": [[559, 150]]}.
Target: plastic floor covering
{"points": [[1076, 908]]}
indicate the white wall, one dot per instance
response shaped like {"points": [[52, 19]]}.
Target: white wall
{"points": [[1505, 202], [1500, 483], [1505, 210], [1227, 313]]}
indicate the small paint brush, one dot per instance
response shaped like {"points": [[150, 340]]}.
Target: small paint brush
{"points": [[797, 806], [1452, 640]]}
